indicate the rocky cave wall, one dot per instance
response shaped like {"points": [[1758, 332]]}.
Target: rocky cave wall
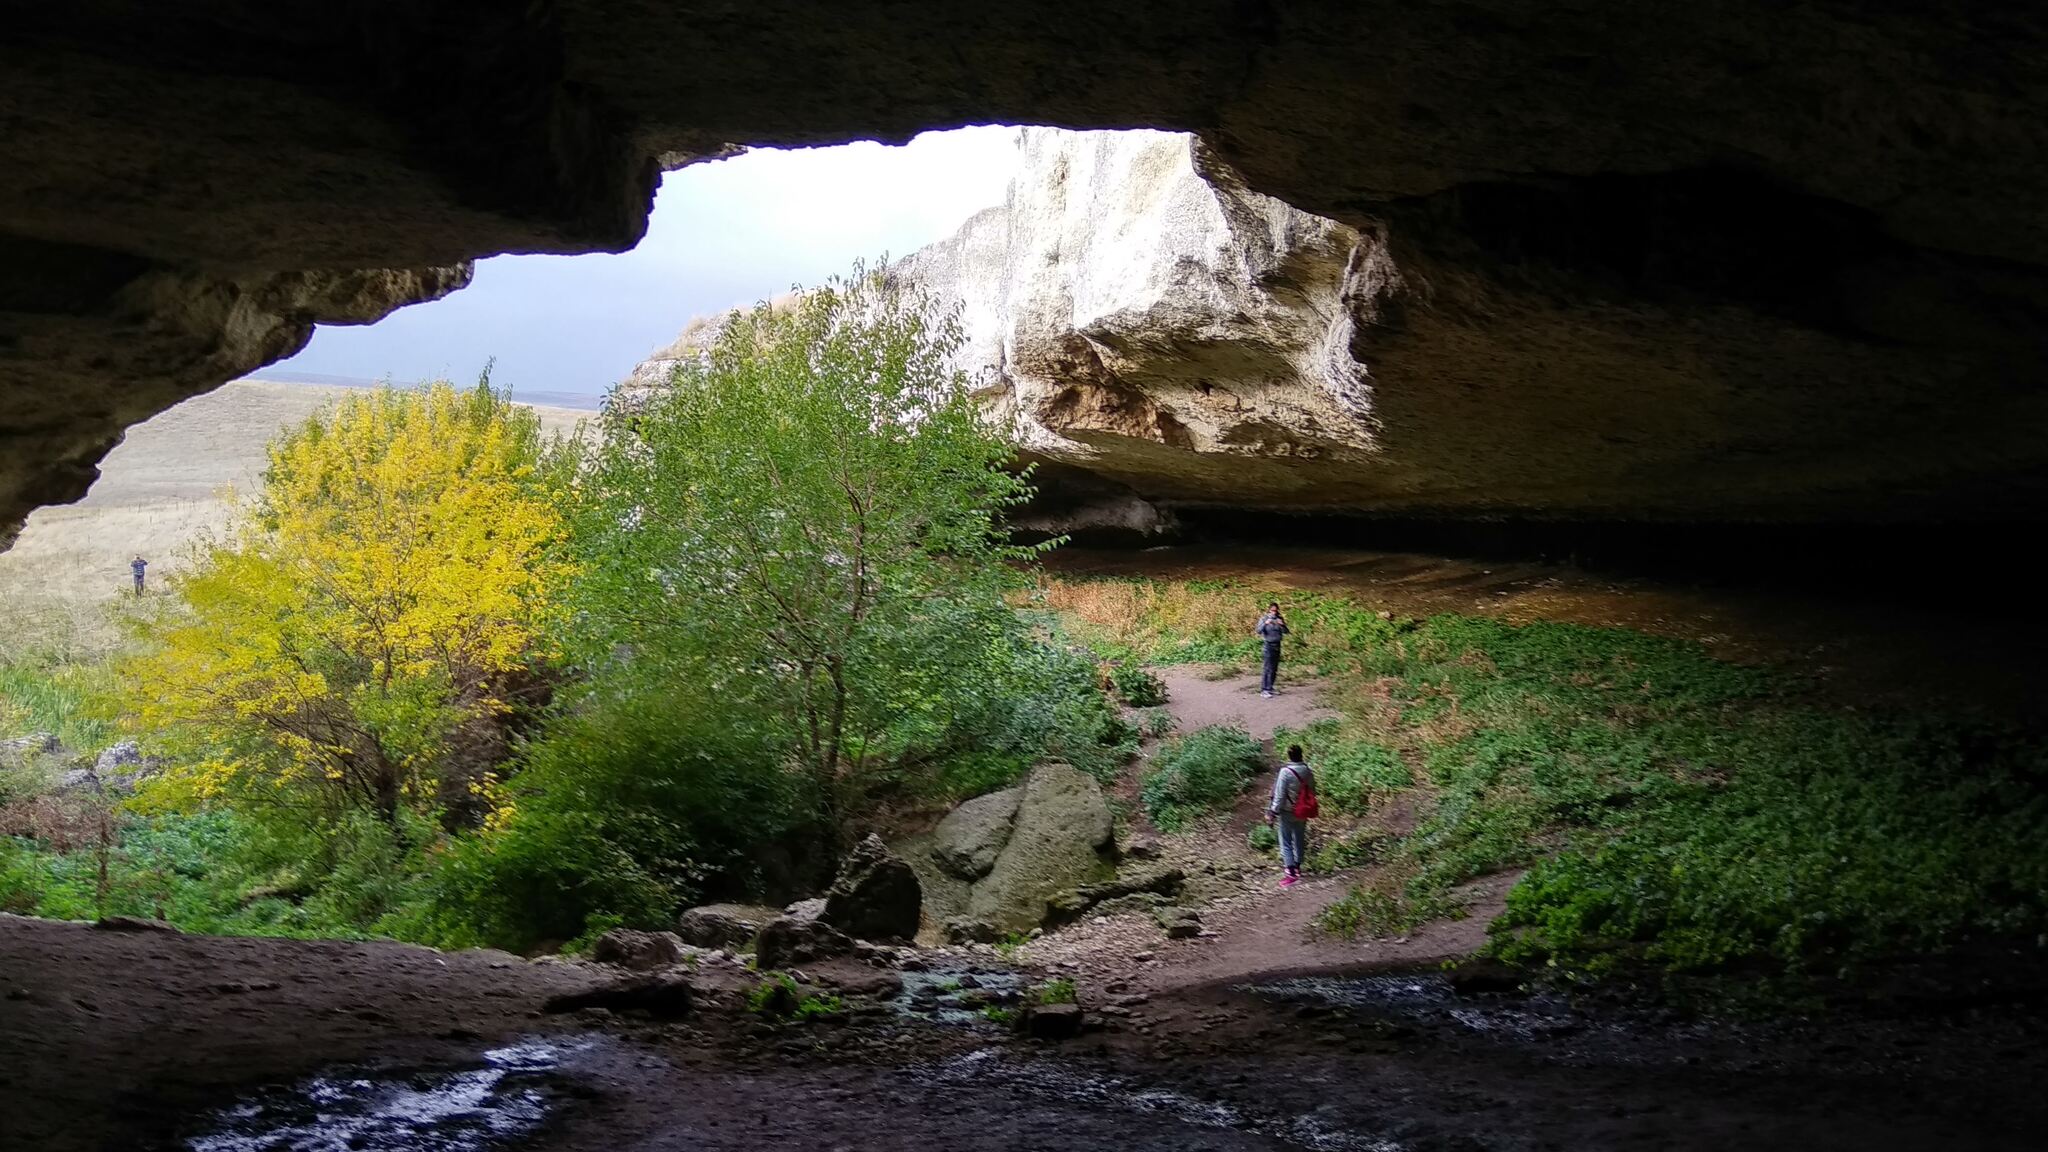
{"points": [[1644, 257]]}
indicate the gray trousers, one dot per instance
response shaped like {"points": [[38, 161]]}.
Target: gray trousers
{"points": [[1293, 839]]}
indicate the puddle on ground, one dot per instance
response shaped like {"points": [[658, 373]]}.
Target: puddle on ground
{"points": [[988, 1066], [1429, 998], [957, 996], [500, 1100], [1644, 1037]]}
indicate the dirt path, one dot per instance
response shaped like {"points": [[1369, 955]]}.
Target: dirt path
{"points": [[1252, 930], [1198, 698], [1254, 933]]}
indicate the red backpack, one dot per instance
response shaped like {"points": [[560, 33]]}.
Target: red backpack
{"points": [[1305, 806]]}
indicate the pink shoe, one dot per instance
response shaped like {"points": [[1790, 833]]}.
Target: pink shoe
{"points": [[1289, 881]]}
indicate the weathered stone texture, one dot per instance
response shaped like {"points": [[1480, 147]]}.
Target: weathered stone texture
{"points": [[1638, 258]]}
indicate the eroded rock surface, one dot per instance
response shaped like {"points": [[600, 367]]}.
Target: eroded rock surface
{"points": [[1163, 337], [876, 895], [788, 940], [1058, 841], [638, 950], [1163, 328], [990, 866], [722, 925], [967, 842], [1640, 258]]}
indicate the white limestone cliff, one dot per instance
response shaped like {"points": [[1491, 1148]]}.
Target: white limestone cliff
{"points": [[1146, 319]]}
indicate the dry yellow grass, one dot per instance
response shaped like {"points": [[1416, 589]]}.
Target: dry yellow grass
{"points": [[161, 489], [1147, 616]]}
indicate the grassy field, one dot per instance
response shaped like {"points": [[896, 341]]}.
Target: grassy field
{"points": [[161, 488]]}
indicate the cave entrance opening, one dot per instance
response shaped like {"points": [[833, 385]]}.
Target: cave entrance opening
{"points": [[723, 233]]}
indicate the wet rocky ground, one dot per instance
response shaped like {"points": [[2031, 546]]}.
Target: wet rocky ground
{"points": [[112, 1042]]}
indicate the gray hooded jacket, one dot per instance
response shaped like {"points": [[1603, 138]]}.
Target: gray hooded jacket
{"points": [[1287, 785]]}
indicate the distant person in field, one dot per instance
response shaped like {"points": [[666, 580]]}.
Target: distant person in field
{"points": [[137, 566], [1272, 626], [1294, 804]]}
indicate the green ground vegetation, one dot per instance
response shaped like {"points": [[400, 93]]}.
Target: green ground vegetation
{"points": [[1671, 810], [780, 997], [1199, 773], [1137, 687], [1059, 991]]}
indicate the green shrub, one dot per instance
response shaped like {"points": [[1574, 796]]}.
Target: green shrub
{"points": [[1353, 850], [1059, 991], [1384, 911], [623, 813], [1262, 838], [219, 871], [821, 1004], [1044, 705], [1349, 770], [1842, 839], [781, 997], [1198, 773], [1136, 686], [1159, 722]]}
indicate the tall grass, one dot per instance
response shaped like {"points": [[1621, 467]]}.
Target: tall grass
{"points": [[1182, 622], [70, 701]]}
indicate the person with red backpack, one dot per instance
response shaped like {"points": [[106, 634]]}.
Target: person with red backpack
{"points": [[1294, 805]]}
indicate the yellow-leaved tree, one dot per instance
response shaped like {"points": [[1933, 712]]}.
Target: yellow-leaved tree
{"points": [[356, 638]]}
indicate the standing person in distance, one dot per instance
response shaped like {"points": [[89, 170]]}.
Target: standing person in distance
{"points": [[138, 566], [1272, 626], [1293, 806]]}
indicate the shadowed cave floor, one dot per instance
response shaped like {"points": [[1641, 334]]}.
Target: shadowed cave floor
{"points": [[138, 1040]]}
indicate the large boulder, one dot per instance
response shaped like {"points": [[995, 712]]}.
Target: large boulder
{"points": [[1057, 842], [722, 925], [1052, 1021], [788, 940], [967, 842], [876, 896], [118, 766], [119, 759], [1138, 887], [640, 951]]}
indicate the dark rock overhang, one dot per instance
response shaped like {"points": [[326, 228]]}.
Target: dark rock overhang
{"points": [[1828, 218]]}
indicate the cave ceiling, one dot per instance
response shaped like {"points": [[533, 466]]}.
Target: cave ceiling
{"points": [[1786, 258]]}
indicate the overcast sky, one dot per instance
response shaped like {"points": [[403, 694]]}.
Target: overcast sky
{"points": [[724, 233]]}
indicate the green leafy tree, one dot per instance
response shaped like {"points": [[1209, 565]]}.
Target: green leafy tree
{"points": [[805, 527]]}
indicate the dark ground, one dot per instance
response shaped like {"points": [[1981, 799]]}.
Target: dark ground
{"points": [[128, 1040]]}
